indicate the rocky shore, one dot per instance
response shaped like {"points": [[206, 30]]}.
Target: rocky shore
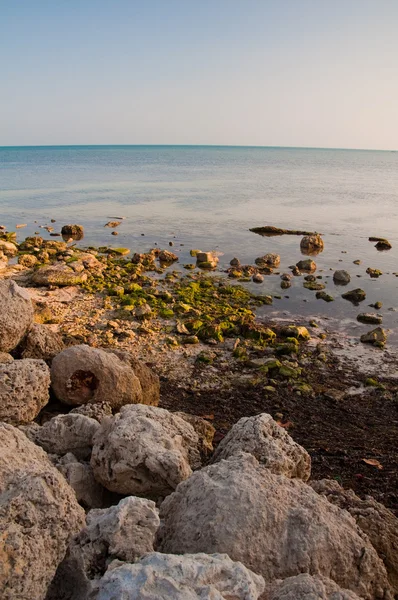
{"points": [[158, 440]]}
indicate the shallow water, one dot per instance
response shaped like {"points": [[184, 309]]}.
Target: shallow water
{"points": [[209, 197]]}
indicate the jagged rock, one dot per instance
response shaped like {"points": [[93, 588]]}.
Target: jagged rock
{"points": [[27, 260], [3, 262], [356, 295], [204, 429], [24, 390], [167, 257], [60, 275], [67, 433], [38, 516], [41, 342], [75, 232], [80, 476], [269, 443], [278, 527], [341, 277], [298, 332], [311, 244], [81, 375], [190, 577], [307, 587], [379, 523], [144, 451], [370, 318], [268, 260], [16, 314], [125, 532], [149, 381], [377, 337], [96, 411], [6, 358], [306, 265], [8, 248]]}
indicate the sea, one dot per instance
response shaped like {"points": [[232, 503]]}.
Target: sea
{"points": [[209, 197]]}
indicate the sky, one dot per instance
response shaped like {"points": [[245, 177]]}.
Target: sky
{"points": [[312, 73]]}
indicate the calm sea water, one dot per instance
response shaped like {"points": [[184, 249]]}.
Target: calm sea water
{"points": [[209, 197]]}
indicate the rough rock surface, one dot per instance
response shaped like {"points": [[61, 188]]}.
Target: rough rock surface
{"points": [[38, 516], [149, 381], [41, 342], [125, 532], [81, 375], [189, 577], [379, 524], [307, 587], [6, 358], [57, 275], [278, 527], [270, 260], [80, 476], [96, 411], [24, 390], [342, 277], [269, 443], [8, 248], [306, 265], [311, 244], [67, 433], [204, 429], [144, 451], [16, 314]]}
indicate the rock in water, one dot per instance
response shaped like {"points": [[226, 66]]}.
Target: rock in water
{"points": [[123, 532], [341, 277], [306, 265], [379, 523], [370, 318], [269, 443], [311, 244], [355, 296], [268, 260], [189, 577], [278, 527], [24, 390], [75, 232], [144, 451], [41, 342], [16, 314], [38, 516], [377, 337], [81, 375]]}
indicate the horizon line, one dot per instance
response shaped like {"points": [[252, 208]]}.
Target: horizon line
{"points": [[195, 146]]}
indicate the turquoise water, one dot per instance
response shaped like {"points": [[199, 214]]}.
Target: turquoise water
{"points": [[209, 197]]}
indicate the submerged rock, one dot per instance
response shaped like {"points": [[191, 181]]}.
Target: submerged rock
{"points": [[269, 230], [276, 526], [16, 314], [38, 516]]}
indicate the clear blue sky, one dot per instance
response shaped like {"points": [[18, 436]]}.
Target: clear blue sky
{"points": [[251, 72]]}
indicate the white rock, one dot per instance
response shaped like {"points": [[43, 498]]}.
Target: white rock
{"points": [[67, 433], [16, 314], [144, 451], [307, 587], [189, 577], [269, 443], [8, 248], [24, 390], [278, 527], [80, 476], [38, 516]]}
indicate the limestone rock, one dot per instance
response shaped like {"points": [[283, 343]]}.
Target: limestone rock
{"points": [[204, 429], [377, 337], [41, 342], [16, 314], [190, 577], [80, 476], [144, 451], [341, 277], [307, 587], [75, 232], [96, 411], [67, 433], [374, 519], [311, 244], [60, 275], [125, 532], [6, 358], [278, 527], [149, 381], [306, 265], [269, 443], [27, 260], [81, 375], [167, 257], [24, 390], [38, 516], [8, 248], [268, 260]]}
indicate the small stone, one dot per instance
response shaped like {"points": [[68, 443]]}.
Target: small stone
{"points": [[377, 337], [370, 318], [355, 296], [306, 265], [258, 278], [235, 262], [341, 277], [324, 296], [374, 273]]}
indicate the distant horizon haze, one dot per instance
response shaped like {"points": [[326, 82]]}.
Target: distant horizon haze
{"points": [[255, 73]]}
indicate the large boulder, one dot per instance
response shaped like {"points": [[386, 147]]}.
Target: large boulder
{"points": [[67, 433], [189, 577], [41, 342], [307, 587], [276, 526], [81, 375], [271, 445], [124, 532], [144, 451], [16, 314], [24, 390], [38, 516], [149, 381], [374, 519]]}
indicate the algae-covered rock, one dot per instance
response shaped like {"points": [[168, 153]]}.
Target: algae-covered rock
{"points": [[306, 265], [370, 318], [374, 273], [355, 296], [324, 296], [58, 275], [296, 331], [377, 337]]}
